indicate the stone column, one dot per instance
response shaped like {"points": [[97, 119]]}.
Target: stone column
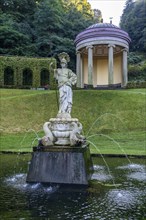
{"points": [[78, 68], [82, 73], [110, 64], [124, 68], [90, 64]]}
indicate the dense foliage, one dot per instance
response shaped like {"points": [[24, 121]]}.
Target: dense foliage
{"points": [[25, 72], [137, 68], [43, 28], [133, 20]]}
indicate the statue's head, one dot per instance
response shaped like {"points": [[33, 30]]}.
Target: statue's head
{"points": [[64, 59]]}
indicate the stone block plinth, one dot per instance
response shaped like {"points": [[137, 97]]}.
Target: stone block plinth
{"points": [[61, 165]]}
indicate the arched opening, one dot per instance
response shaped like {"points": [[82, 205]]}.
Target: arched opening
{"points": [[45, 78], [27, 77], [8, 76]]}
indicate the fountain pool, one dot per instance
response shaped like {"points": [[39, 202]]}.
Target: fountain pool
{"points": [[100, 201]]}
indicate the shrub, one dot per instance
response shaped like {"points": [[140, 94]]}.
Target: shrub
{"points": [[137, 67], [137, 72], [136, 84], [134, 58]]}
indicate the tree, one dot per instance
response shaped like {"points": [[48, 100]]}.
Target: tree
{"points": [[48, 25], [73, 23], [17, 34], [57, 24], [82, 6], [44, 27], [97, 15], [133, 21], [17, 6]]}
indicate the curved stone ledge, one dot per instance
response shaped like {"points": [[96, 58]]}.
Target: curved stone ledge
{"points": [[63, 120]]}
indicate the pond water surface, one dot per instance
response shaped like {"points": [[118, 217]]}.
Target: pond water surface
{"points": [[116, 193]]}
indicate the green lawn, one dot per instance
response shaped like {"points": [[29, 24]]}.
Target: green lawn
{"points": [[131, 143], [113, 120]]}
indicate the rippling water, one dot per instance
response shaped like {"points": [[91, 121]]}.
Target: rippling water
{"points": [[101, 201]]}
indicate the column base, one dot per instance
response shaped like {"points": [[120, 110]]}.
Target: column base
{"points": [[113, 86]]}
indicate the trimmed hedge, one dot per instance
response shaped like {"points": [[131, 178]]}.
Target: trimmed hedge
{"points": [[137, 66], [137, 72], [19, 64], [136, 84]]}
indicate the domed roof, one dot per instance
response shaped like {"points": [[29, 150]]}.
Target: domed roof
{"points": [[102, 33], [103, 25]]}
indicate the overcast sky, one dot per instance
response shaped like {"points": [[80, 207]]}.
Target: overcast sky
{"points": [[109, 8]]}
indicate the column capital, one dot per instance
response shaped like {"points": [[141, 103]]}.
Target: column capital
{"points": [[89, 47], [78, 52], [125, 50], [111, 45]]}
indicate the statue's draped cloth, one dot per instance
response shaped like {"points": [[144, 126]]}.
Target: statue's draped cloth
{"points": [[65, 99], [66, 78]]}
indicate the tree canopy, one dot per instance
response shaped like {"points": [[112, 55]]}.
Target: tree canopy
{"points": [[133, 21], [43, 28]]}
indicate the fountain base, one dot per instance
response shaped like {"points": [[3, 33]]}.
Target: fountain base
{"points": [[62, 165]]}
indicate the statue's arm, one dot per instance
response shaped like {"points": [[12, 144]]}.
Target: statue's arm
{"points": [[72, 77]]}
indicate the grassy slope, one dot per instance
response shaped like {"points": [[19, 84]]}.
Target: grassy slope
{"points": [[117, 119]]}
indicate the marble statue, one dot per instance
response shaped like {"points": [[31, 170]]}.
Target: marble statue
{"points": [[66, 78], [62, 155], [48, 139], [75, 135], [63, 130]]}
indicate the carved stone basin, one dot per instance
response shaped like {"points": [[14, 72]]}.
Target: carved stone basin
{"points": [[61, 129]]}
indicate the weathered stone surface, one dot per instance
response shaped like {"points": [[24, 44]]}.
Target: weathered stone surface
{"points": [[61, 165], [62, 131]]}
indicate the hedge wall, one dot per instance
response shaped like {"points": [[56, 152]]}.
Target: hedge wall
{"points": [[19, 64]]}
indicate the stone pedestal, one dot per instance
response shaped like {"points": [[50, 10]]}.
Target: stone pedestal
{"points": [[62, 155], [62, 165], [62, 131]]}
